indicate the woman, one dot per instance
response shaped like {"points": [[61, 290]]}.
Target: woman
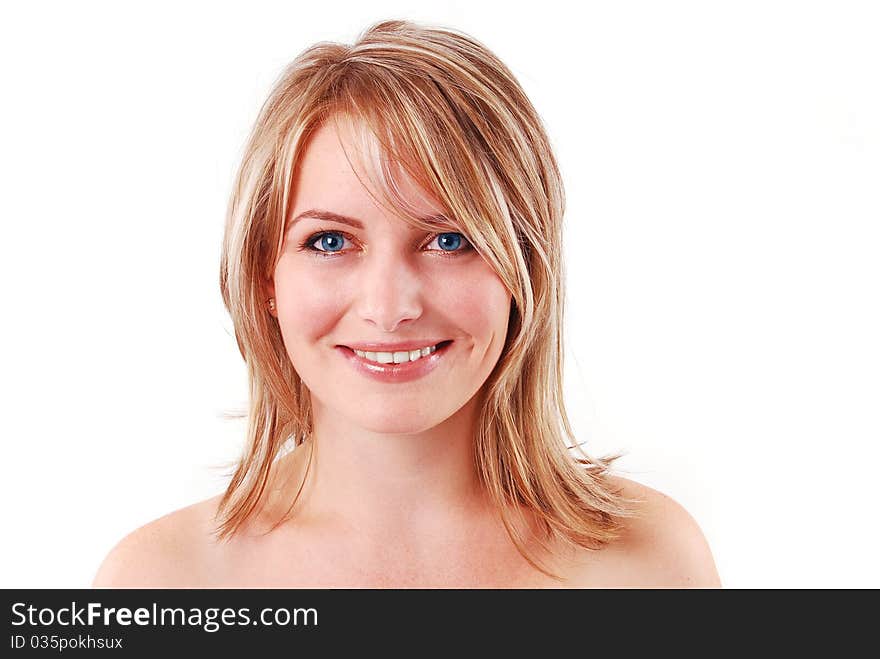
{"points": [[392, 264]]}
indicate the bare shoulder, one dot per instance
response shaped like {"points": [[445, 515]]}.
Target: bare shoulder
{"points": [[663, 547], [168, 552]]}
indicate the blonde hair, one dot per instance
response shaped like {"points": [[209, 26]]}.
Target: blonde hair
{"points": [[442, 104]]}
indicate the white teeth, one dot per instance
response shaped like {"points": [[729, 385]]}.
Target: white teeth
{"points": [[396, 357]]}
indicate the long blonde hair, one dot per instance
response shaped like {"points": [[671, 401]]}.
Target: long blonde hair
{"points": [[441, 102]]}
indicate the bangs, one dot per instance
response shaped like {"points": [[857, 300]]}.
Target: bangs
{"points": [[394, 170]]}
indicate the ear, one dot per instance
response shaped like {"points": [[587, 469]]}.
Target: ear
{"points": [[269, 289]]}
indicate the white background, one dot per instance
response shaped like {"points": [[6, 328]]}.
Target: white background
{"points": [[721, 161]]}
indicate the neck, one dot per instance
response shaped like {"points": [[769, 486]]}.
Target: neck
{"points": [[386, 483]]}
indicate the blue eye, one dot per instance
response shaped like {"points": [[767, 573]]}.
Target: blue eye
{"points": [[330, 241], [451, 242]]}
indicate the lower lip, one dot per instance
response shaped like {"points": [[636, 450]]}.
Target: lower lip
{"points": [[403, 372]]}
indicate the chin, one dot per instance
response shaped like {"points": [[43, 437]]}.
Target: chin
{"points": [[391, 421]]}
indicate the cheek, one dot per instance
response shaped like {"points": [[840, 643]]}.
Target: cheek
{"points": [[309, 303], [481, 304]]}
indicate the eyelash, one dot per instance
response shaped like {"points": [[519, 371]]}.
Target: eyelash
{"points": [[307, 244]]}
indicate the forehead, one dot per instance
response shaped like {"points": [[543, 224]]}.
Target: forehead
{"points": [[326, 152], [343, 163]]}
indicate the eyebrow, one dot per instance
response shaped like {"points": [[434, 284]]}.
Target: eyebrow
{"points": [[329, 216]]}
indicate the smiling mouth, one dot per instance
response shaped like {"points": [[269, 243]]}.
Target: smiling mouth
{"points": [[394, 357]]}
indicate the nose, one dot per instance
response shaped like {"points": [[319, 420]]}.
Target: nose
{"points": [[389, 293]]}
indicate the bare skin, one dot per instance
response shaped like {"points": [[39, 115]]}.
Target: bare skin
{"points": [[663, 548]]}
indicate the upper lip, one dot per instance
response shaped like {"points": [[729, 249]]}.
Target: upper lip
{"points": [[392, 347]]}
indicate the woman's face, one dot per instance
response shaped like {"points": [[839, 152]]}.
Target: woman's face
{"points": [[337, 286]]}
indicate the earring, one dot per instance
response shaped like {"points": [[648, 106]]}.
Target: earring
{"points": [[271, 304]]}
